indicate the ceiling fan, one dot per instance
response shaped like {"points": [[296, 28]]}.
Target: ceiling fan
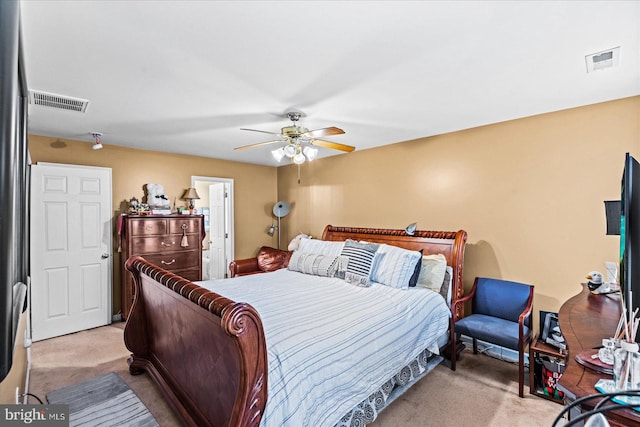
{"points": [[299, 141]]}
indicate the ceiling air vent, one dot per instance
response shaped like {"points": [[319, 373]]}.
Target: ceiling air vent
{"points": [[57, 101], [603, 60]]}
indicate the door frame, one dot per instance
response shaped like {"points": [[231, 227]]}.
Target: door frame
{"points": [[229, 211]]}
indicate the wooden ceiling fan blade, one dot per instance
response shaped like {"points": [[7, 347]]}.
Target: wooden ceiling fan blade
{"points": [[322, 132], [261, 131], [333, 145], [259, 144]]}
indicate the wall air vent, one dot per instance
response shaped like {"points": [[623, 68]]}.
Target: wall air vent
{"points": [[603, 60], [53, 100]]}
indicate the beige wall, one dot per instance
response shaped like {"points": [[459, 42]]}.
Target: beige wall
{"points": [[529, 193], [255, 186]]}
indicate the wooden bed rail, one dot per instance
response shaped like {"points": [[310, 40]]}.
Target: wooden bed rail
{"points": [[206, 352]]}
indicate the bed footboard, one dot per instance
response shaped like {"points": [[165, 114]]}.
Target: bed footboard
{"points": [[206, 352]]}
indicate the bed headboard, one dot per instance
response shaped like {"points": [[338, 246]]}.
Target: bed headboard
{"points": [[449, 243]]}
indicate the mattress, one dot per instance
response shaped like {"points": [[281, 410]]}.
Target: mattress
{"points": [[331, 344]]}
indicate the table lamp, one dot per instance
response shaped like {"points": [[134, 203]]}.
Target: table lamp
{"points": [[190, 194]]}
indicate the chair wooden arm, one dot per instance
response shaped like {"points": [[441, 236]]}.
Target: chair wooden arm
{"points": [[242, 267], [526, 313], [465, 298]]}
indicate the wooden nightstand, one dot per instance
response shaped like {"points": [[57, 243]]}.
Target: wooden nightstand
{"points": [[536, 349]]}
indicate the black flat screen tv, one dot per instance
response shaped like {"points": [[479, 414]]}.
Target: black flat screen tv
{"points": [[630, 234], [14, 183]]}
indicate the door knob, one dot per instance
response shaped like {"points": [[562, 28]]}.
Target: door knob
{"points": [[104, 256]]}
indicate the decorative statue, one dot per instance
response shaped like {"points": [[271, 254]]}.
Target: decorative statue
{"points": [[156, 197]]}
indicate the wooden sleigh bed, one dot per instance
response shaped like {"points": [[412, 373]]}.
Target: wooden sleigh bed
{"points": [[208, 353]]}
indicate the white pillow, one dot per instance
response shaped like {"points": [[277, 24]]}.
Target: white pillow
{"points": [[323, 247], [432, 272], [394, 266], [317, 264], [295, 242]]}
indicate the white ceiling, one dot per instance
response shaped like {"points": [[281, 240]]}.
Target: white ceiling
{"points": [[185, 76]]}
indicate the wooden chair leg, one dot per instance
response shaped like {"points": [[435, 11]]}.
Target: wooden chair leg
{"points": [[452, 347], [475, 346], [521, 370]]}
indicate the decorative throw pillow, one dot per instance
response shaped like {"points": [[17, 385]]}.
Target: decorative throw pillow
{"points": [[360, 261], [432, 272], [323, 247], [446, 285], [317, 264], [416, 272], [295, 242], [394, 266]]}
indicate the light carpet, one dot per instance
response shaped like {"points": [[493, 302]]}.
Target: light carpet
{"points": [[483, 391]]}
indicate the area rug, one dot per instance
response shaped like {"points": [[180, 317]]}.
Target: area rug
{"points": [[103, 401]]}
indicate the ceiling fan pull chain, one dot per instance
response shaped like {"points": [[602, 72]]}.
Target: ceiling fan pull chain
{"points": [[298, 174]]}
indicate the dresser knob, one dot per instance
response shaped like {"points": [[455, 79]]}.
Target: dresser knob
{"points": [[168, 263]]}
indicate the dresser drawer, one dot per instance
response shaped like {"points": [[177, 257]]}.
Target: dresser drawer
{"points": [[175, 260], [191, 225], [147, 226], [146, 245], [191, 275]]}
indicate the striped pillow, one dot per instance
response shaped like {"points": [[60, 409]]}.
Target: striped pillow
{"points": [[360, 261], [316, 264], [395, 266]]}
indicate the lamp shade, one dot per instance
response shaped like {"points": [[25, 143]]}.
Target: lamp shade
{"points": [[278, 154], [190, 193], [310, 152]]}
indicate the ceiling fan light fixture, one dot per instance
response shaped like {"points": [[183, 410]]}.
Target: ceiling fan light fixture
{"points": [[299, 159], [310, 152], [278, 154], [290, 150]]}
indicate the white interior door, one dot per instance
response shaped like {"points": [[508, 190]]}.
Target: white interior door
{"points": [[221, 231], [217, 231], [71, 238]]}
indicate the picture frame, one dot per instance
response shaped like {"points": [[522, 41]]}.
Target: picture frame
{"points": [[206, 212]]}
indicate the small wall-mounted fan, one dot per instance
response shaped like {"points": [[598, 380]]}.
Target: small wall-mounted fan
{"points": [[299, 141]]}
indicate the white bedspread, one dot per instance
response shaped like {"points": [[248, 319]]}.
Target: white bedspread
{"points": [[331, 344]]}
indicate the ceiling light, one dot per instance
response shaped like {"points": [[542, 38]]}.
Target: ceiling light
{"points": [[310, 152], [290, 150], [299, 159], [97, 144], [278, 154]]}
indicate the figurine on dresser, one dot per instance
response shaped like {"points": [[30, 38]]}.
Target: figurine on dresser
{"points": [[156, 198]]}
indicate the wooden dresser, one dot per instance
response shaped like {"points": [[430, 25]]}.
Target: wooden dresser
{"points": [[173, 242]]}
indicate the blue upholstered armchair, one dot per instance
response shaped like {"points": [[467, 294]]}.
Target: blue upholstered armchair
{"points": [[500, 315]]}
